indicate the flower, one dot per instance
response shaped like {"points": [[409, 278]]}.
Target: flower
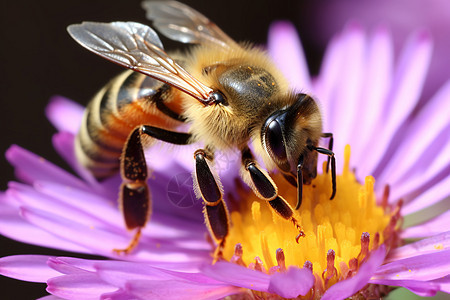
{"points": [[401, 147]]}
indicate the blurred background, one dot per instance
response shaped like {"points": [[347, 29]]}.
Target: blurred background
{"points": [[40, 60]]}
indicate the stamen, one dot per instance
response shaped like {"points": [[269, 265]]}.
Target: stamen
{"points": [[308, 265], [390, 235], [352, 267], [237, 257], [376, 241], [280, 260], [365, 241], [330, 271], [257, 265], [385, 197]]}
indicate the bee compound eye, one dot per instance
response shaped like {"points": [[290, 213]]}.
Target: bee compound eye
{"points": [[219, 98], [275, 140]]}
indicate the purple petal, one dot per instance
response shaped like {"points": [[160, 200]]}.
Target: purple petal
{"points": [[174, 289], [292, 283], [78, 286], [433, 194], [349, 85], [327, 81], [238, 276], [32, 268], [117, 295], [71, 265], [50, 297], [349, 287], [88, 237], [64, 114], [30, 167], [430, 245], [432, 227], [119, 273], [421, 267], [421, 288], [444, 284], [287, 52], [379, 63], [61, 204], [405, 92], [63, 142], [422, 138], [417, 184], [12, 225], [82, 234]]}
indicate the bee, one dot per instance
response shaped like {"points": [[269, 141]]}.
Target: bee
{"points": [[231, 95]]}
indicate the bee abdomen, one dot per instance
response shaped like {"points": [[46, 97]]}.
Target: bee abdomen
{"points": [[127, 101]]}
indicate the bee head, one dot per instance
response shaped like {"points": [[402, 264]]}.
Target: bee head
{"points": [[289, 134]]}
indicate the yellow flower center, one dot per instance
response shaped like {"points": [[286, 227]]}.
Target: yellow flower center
{"points": [[336, 225]]}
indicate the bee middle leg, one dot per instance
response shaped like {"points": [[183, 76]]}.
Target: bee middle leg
{"points": [[265, 188], [215, 210], [134, 196]]}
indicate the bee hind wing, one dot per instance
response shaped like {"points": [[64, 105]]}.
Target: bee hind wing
{"points": [[137, 47], [182, 23]]}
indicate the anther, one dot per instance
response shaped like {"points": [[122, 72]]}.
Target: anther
{"points": [[308, 265], [365, 241], [257, 265], [237, 257], [281, 260]]}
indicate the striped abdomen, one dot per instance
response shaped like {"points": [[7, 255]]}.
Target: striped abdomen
{"points": [[129, 100]]}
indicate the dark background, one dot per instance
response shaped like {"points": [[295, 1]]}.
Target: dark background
{"points": [[39, 60]]}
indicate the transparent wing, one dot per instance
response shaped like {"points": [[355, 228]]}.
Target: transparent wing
{"points": [[182, 23], [137, 47]]}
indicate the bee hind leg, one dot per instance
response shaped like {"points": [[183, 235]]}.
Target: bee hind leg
{"points": [[215, 209], [134, 197]]}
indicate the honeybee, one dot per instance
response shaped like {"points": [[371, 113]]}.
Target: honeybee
{"points": [[230, 94]]}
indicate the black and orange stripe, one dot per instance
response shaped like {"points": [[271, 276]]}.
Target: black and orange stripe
{"points": [[127, 101]]}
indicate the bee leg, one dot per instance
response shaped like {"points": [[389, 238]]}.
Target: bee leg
{"points": [[264, 187], [330, 146], [333, 167], [299, 182], [215, 210], [134, 197]]}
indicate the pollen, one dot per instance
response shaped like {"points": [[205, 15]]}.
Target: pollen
{"points": [[439, 247], [339, 233]]}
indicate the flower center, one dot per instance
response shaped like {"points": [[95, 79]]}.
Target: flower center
{"points": [[338, 233]]}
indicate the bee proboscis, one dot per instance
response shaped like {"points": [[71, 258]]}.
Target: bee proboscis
{"points": [[230, 94]]}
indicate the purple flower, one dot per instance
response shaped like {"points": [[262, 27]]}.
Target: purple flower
{"points": [[353, 244]]}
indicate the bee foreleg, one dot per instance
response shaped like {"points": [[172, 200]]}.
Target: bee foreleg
{"points": [[134, 198], [333, 167], [265, 188], [330, 146], [299, 181], [215, 211]]}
